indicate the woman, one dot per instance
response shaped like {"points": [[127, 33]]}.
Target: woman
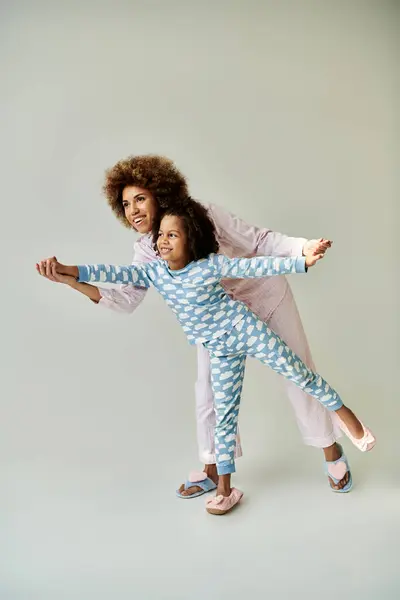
{"points": [[135, 189]]}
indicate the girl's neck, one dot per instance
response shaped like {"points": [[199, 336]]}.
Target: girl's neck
{"points": [[177, 265]]}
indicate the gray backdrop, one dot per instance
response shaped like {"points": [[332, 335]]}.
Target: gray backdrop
{"points": [[284, 113]]}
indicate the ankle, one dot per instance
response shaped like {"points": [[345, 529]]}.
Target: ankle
{"points": [[211, 472], [332, 453], [224, 485]]}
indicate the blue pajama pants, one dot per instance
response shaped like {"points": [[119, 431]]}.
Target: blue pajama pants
{"points": [[252, 337]]}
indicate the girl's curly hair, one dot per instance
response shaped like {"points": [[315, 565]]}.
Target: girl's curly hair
{"points": [[157, 174], [199, 228]]}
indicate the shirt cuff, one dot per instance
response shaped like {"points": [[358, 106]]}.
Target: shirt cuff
{"points": [[301, 265], [83, 274]]}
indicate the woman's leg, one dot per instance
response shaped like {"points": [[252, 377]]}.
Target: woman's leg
{"points": [[318, 426]]}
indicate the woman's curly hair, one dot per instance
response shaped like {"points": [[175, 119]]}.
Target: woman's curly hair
{"points": [[198, 226], [157, 174]]}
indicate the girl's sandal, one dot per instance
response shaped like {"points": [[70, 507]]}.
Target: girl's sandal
{"points": [[220, 505]]}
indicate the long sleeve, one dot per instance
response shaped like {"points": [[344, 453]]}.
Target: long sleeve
{"points": [[258, 266], [136, 275], [248, 240], [126, 298]]}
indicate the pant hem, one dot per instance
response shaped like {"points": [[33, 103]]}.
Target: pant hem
{"points": [[226, 470], [322, 442]]}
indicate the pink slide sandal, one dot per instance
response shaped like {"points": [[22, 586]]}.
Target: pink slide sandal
{"points": [[220, 505]]}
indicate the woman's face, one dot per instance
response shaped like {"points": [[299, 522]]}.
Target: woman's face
{"points": [[140, 208]]}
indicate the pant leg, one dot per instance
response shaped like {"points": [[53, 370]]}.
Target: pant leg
{"points": [[318, 426], [253, 336], [205, 412], [227, 374]]}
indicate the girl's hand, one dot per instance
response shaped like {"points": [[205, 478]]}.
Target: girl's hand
{"points": [[67, 279], [319, 246], [313, 257], [55, 271], [47, 268]]}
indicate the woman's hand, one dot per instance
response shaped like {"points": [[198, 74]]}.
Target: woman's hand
{"points": [[319, 246]]}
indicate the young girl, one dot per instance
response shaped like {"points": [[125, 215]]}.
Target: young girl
{"points": [[136, 188], [188, 275]]}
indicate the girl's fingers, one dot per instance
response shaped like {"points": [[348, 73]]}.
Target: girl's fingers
{"points": [[48, 267], [315, 258], [42, 268], [48, 270], [55, 275]]}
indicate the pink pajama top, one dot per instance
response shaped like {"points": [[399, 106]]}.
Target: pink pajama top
{"points": [[236, 239]]}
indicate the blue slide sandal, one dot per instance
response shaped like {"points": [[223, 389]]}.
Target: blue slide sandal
{"points": [[337, 469], [199, 479]]}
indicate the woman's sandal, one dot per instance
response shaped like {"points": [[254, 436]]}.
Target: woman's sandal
{"points": [[337, 469], [220, 505], [197, 479]]}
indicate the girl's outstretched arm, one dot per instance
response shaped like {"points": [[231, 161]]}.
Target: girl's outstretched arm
{"points": [[262, 266], [248, 240], [137, 275], [124, 299]]}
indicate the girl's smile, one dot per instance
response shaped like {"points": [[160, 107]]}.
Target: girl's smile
{"points": [[172, 242]]}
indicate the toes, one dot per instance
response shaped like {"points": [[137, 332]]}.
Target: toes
{"points": [[182, 490], [190, 491], [333, 485], [340, 484], [343, 482]]}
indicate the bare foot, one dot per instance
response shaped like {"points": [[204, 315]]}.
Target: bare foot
{"points": [[352, 423], [210, 471], [331, 454]]}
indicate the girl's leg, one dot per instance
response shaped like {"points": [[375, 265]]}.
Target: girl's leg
{"points": [[205, 413], [227, 374], [256, 339], [205, 421]]}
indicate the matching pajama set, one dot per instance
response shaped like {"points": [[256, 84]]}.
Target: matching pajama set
{"points": [[270, 298], [226, 328]]}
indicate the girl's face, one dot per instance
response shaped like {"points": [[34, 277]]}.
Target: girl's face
{"points": [[172, 242], [140, 208]]}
